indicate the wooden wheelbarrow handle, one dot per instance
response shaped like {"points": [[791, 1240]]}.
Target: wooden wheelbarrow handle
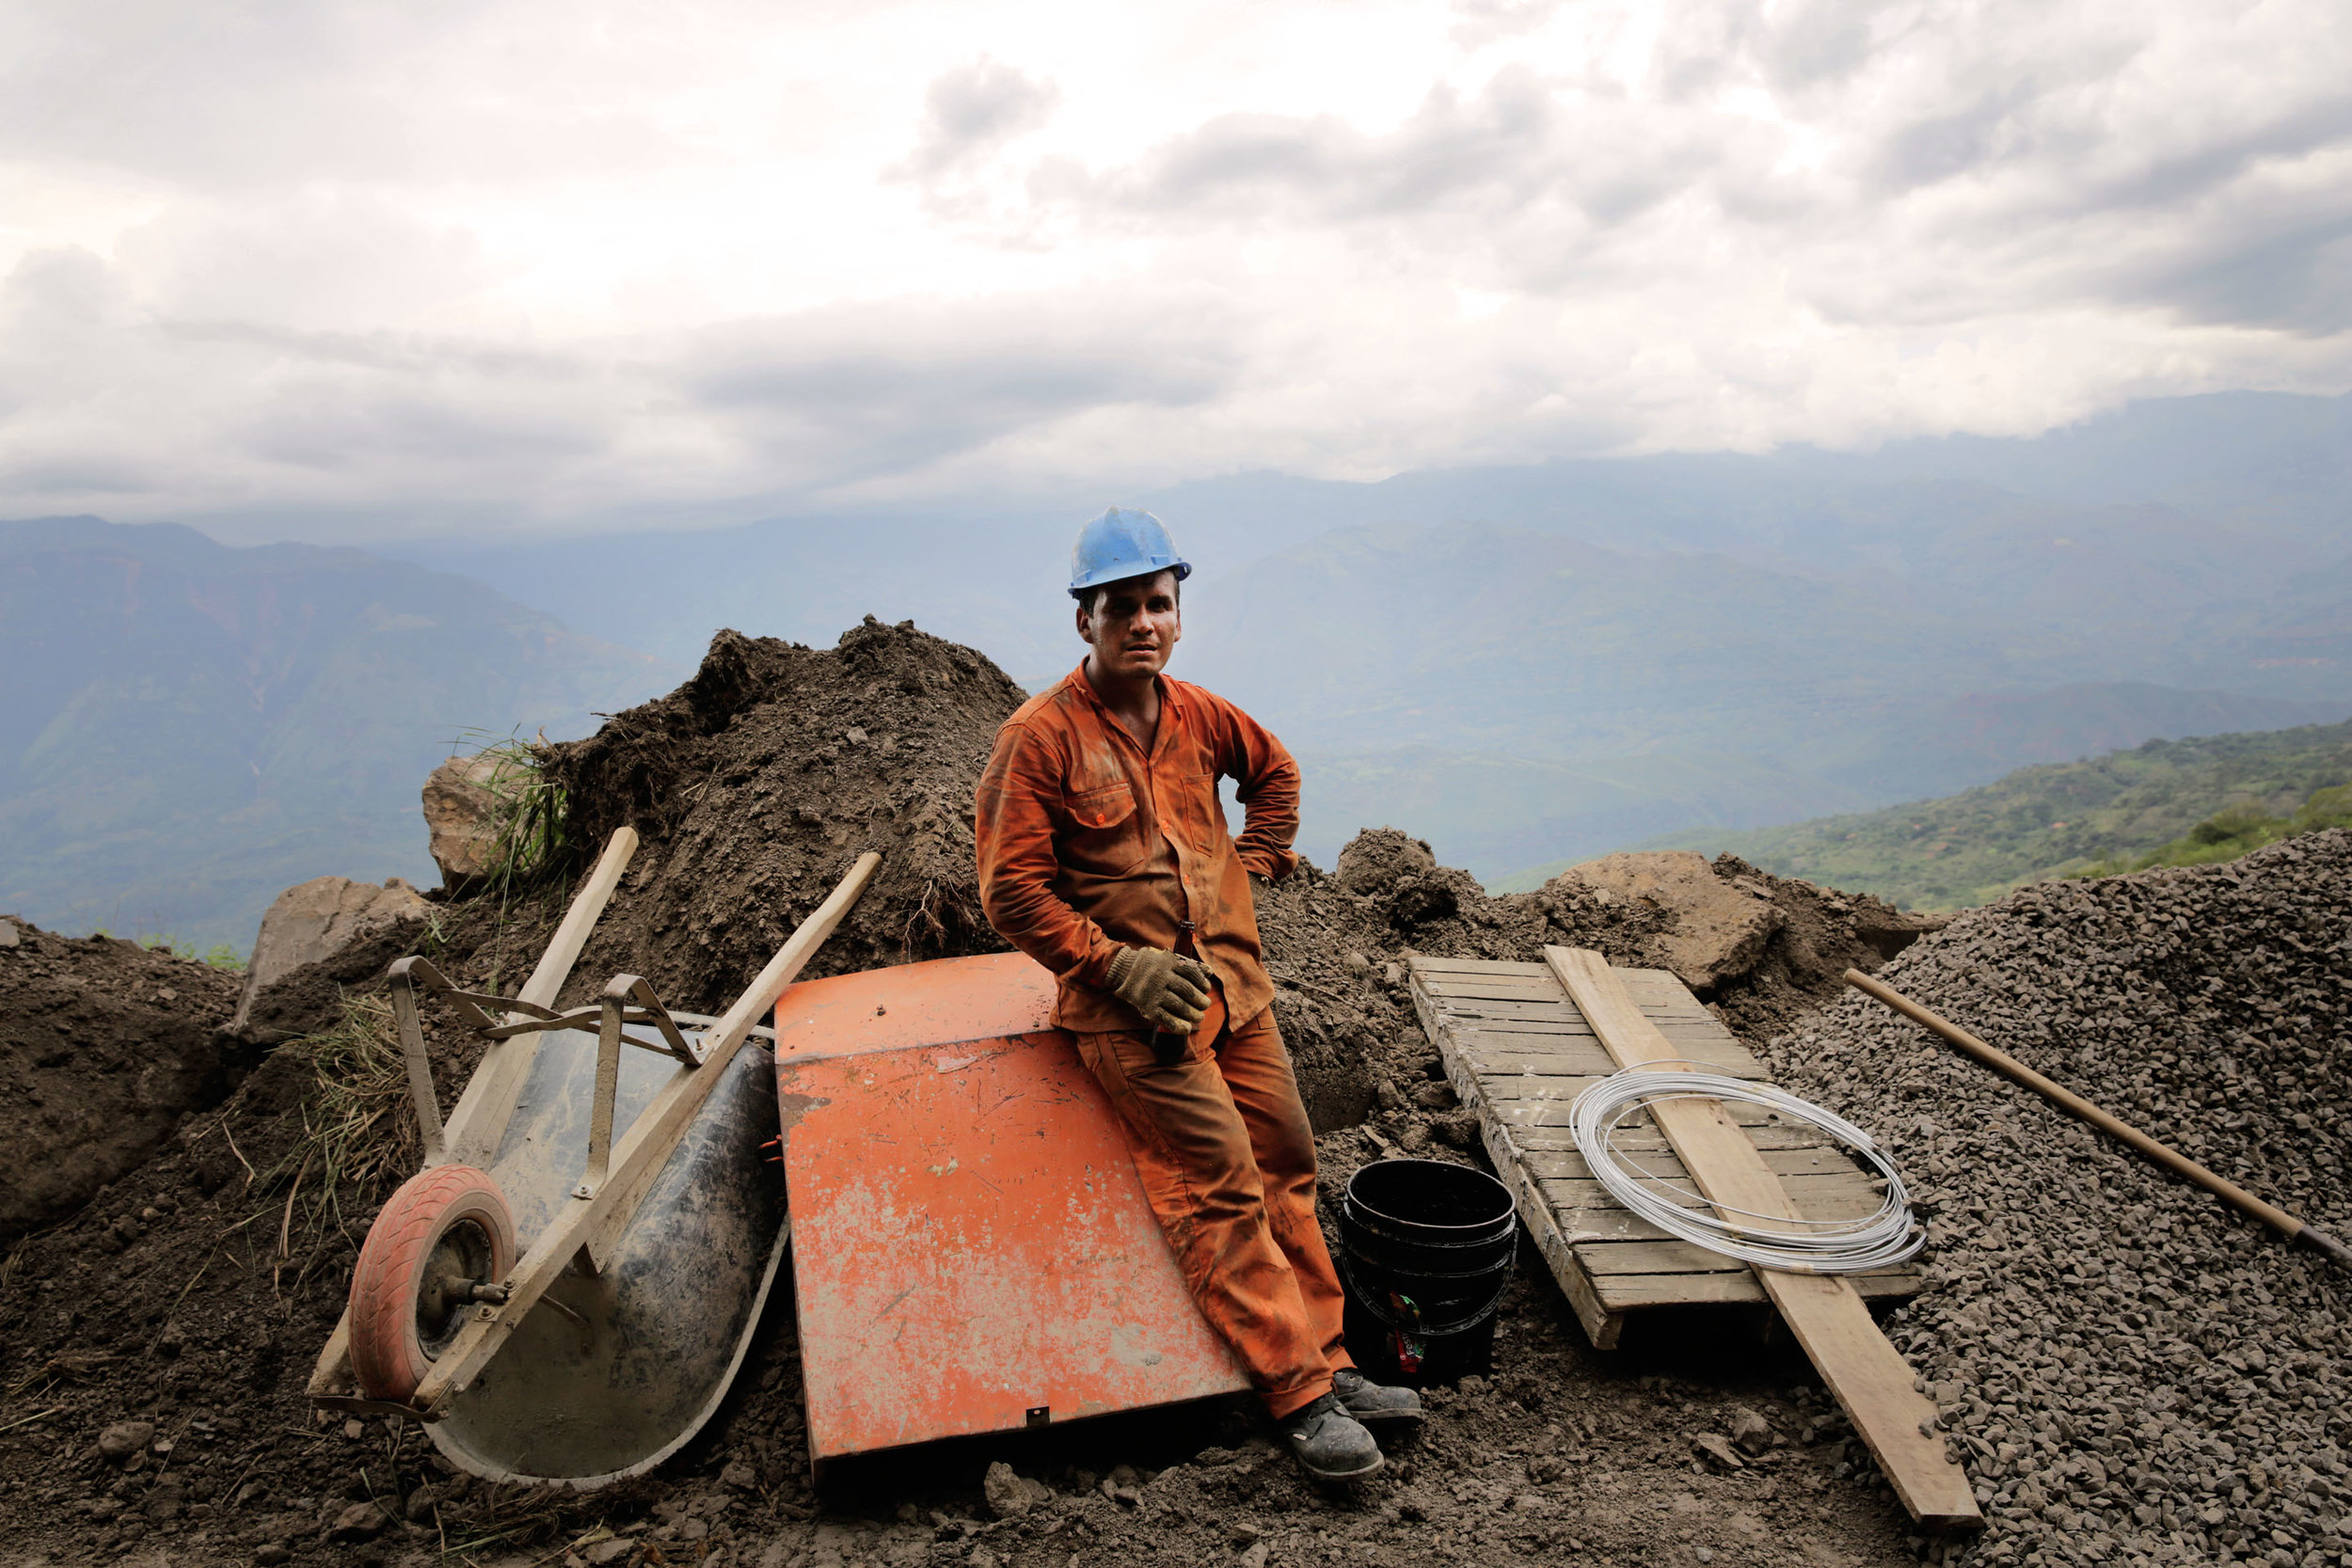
{"points": [[2123, 1132]]}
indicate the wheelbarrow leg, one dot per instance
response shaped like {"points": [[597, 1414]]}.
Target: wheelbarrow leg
{"points": [[608, 1090], [420, 1066]]}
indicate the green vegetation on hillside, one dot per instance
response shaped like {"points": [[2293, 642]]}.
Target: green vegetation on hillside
{"points": [[2060, 820], [2235, 831], [220, 954]]}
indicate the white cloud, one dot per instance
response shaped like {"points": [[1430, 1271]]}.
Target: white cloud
{"points": [[346, 269]]}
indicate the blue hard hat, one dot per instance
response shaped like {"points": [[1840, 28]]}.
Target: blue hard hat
{"points": [[1122, 542]]}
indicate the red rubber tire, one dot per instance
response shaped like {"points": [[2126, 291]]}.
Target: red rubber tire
{"points": [[443, 1224]]}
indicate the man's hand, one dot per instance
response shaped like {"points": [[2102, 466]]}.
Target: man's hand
{"points": [[1170, 990]]}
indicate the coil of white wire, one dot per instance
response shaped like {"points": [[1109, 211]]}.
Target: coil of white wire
{"points": [[1770, 1241]]}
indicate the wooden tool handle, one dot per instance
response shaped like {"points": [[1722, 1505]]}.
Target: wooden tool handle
{"points": [[2326, 1245], [2083, 1110]]}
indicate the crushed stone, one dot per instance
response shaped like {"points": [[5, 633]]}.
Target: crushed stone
{"points": [[2131, 1372]]}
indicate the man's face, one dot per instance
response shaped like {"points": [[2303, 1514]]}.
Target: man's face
{"points": [[1133, 626]]}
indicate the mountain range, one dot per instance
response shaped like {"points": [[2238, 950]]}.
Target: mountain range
{"points": [[1523, 665], [1527, 663], [186, 729]]}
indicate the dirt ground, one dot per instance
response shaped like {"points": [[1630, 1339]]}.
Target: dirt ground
{"points": [[153, 1344], [105, 1046]]}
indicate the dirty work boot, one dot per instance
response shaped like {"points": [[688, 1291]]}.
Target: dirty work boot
{"points": [[1330, 1443], [1374, 1403]]}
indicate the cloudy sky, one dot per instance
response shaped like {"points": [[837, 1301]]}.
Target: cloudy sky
{"points": [[299, 268]]}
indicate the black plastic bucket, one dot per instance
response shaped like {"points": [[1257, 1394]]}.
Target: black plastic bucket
{"points": [[1425, 1251]]}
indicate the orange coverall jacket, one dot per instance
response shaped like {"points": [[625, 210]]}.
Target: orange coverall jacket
{"points": [[1087, 846]]}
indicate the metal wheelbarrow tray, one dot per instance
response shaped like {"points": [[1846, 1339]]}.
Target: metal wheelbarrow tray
{"points": [[646, 1228]]}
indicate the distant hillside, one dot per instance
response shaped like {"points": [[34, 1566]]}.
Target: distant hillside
{"points": [[1546, 661], [186, 729], [2235, 831], [1516, 697], [1971, 847]]}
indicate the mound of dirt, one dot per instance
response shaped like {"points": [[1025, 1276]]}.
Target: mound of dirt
{"points": [[154, 1345], [2132, 1373], [757, 784], [104, 1045]]}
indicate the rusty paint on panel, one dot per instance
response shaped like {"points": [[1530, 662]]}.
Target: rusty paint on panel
{"points": [[971, 1244]]}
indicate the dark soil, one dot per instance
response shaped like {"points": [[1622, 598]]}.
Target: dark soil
{"points": [[194, 1292], [759, 781], [104, 1045]]}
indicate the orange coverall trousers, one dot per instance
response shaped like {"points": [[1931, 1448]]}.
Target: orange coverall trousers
{"points": [[1221, 1140]]}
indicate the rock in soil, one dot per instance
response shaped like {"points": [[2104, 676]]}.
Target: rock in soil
{"points": [[359, 1522], [461, 818], [1008, 1495], [311, 921], [122, 1440]]}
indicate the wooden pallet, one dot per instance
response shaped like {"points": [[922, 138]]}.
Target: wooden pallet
{"points": [[1518, 1051]]}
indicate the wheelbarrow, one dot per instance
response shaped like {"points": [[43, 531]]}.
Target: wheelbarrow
{"points": [[565, 1292]]}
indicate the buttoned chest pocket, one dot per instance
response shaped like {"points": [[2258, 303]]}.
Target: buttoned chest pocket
{"points": [[1196, 810], [1106, 836]]}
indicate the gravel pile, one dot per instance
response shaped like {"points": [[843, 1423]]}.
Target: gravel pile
{"points": [[2131, 1372]]}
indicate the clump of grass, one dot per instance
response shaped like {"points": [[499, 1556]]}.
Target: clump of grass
{"points": [[359, 1134], [363, 1126], [220, 956]]}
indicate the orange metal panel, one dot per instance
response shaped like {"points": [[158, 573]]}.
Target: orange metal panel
{"points": [[970, 1243]]}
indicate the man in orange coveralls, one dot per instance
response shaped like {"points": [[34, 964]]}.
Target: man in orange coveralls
{"points": [[1104, 855]]}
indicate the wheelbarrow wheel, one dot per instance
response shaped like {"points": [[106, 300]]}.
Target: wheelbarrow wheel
{"points": [[444, 1231]]}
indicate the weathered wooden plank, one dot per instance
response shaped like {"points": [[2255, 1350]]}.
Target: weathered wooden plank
{"points": [[1426, 964], [1640, 1141], [1515, 1034], [1602, 1258], [1785, 1163], [1552, 1110], [1554, 1061], [1621, 1293], [1586, 1206], [1551, 1155], [1566, 1164], [1553, 1010], [1708, 1043], [1827, 1315], [1507, 987]]}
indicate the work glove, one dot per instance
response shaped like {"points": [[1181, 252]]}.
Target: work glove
{"points": [[1170, 990]]}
